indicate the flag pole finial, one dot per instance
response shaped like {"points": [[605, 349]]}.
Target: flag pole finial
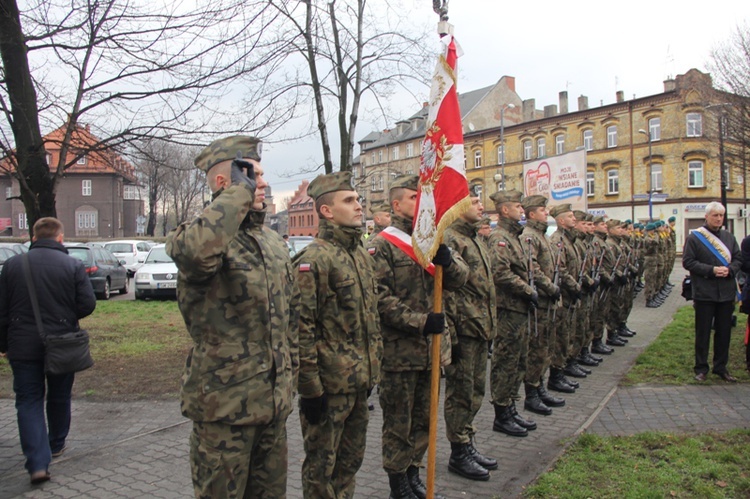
{"points": [[441, 8]]}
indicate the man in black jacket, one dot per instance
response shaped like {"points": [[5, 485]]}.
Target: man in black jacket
{"points": [[65, 295], [713, 258]]}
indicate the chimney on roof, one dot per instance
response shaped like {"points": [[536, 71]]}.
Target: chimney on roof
{"points": [[620, 96], [550, 110], [670, 85], [529, 109], [564, 102], [583, 103]]}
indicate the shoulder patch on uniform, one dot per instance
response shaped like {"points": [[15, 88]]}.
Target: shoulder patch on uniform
{"points": [[371, 250], [501, 244], [304, 267]]}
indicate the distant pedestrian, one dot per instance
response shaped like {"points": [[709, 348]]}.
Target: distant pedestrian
{"points": [[713, 258], [238, 295], [65, 295]]}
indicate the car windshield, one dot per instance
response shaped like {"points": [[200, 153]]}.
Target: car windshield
{"points": [[119, 247], [83, 254], [158, 255]]}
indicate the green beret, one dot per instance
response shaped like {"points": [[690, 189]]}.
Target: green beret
{"points": [[580, 215], [613, 222], [534, 201], [637, 225], [379, 206], [628, 222], [323, 184], [405, 182], [558, 210], [598, 220], [650, 226], [229, 148], [511, 196], [672, 219]]}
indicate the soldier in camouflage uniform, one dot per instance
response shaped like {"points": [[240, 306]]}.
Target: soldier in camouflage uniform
{"points": [[407, 325], [631, 248], [516, 303], [339, 341], [538, 399], [381, 216], [583, 231], [239, 298], [639, 235], [651, 248], [617, 255], [601, 297], [472, 319], [563, 356], [485, 228]]}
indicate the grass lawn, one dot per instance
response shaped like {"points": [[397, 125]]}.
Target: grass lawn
{"points": [[670, 358], [139, 349], [651, 465]]}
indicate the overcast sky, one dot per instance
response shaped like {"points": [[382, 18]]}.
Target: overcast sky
{"points": [[586, 47]]}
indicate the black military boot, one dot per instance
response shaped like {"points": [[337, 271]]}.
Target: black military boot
{"points": [[418, 487], [483, 461], [622, 332], [626, 328], [462, 463], [529, 424], [614, 340], [575, 362], [574, 384], [400, 488], [585, 352], [505, 423], [600, 348], [534, 403], [549, 399], [572, 369], [556, 382], [585, 359]]}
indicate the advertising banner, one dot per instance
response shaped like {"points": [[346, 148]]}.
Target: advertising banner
{"points": [[561, 179]]}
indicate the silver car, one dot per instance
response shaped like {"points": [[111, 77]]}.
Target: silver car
{"points": [[157, 277]]}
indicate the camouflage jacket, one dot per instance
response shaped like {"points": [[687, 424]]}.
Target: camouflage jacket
{"points": [[406, 295], [570, 264], [615, 250], [543, 258], [605, 255], [239, 298], [651, 245], [584, 270], [471, 309], [509, 266], [339, 332]]}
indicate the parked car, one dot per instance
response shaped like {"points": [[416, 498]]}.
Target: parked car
{"points": [[105, 271], [131, 251], [5, 253], [157, 277], [17, 248]]}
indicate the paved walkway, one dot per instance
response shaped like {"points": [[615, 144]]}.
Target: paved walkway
{"points": [[139, 449]]}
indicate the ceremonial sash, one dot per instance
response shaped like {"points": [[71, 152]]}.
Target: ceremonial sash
{"points": [[718, 249], [402, 241]]}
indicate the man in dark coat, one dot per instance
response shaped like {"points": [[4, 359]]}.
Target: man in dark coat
{"points": [[713, 258], [65, 295]]}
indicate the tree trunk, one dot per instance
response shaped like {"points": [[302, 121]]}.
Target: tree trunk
{"points": [[32, 170]]}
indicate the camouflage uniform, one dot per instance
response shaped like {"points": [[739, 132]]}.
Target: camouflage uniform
{"points": [[583, 277], [239, 298], [472, 315], [405, 300], [618, 258], [375, 208], [339, 349], [651, 249], [601, 296]]}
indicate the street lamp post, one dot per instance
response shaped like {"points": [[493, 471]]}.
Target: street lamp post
{"points": [[650, 177], [502, 141]]}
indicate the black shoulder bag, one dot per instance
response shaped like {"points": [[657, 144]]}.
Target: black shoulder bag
{"points": [[63, 353]]}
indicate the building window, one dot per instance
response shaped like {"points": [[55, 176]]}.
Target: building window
{"points": [[86, 220], [654, 128], [478, 189], [559, 144], [613, 182], [394, 153], [409, 149], [380, 156], [48, 156], [656, 177], [589, 184], [477, 159], [695, 174], [373, 159], [694, 125], [612, 136], [85, 187], [81, 160], [541, 147], [23, 221], [377, 183], [588, 140], [526, 149], [500, 155], [8, 192], [130, 192]]}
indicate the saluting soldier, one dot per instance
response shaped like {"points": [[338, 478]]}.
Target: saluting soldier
{"points": [[408, 324], [340, 346], [538, 399], [238, 295], [516, 300], [472, 315]]}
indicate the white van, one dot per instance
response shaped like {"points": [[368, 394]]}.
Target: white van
{"points": [[131, 253]]}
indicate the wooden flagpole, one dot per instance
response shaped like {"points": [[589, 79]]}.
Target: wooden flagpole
{"points": [[437, 307]]}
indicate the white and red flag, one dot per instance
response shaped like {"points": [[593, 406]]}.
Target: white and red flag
{"points": [[443, 194]]}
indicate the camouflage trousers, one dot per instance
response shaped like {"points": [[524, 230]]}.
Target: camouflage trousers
{"points": [[405, 401], [231, 461], [509, 356], [465, 382], [600, 310], [581, 337], [335, 448], [538, 358], [564, 330], [617, 305], [652, 279]]}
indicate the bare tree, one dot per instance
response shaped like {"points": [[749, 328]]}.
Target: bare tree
{"points": [[351, 49], [132, 70]]}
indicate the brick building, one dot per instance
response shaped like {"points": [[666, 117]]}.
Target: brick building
{"points": [[302, 218], [97, 197]]}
